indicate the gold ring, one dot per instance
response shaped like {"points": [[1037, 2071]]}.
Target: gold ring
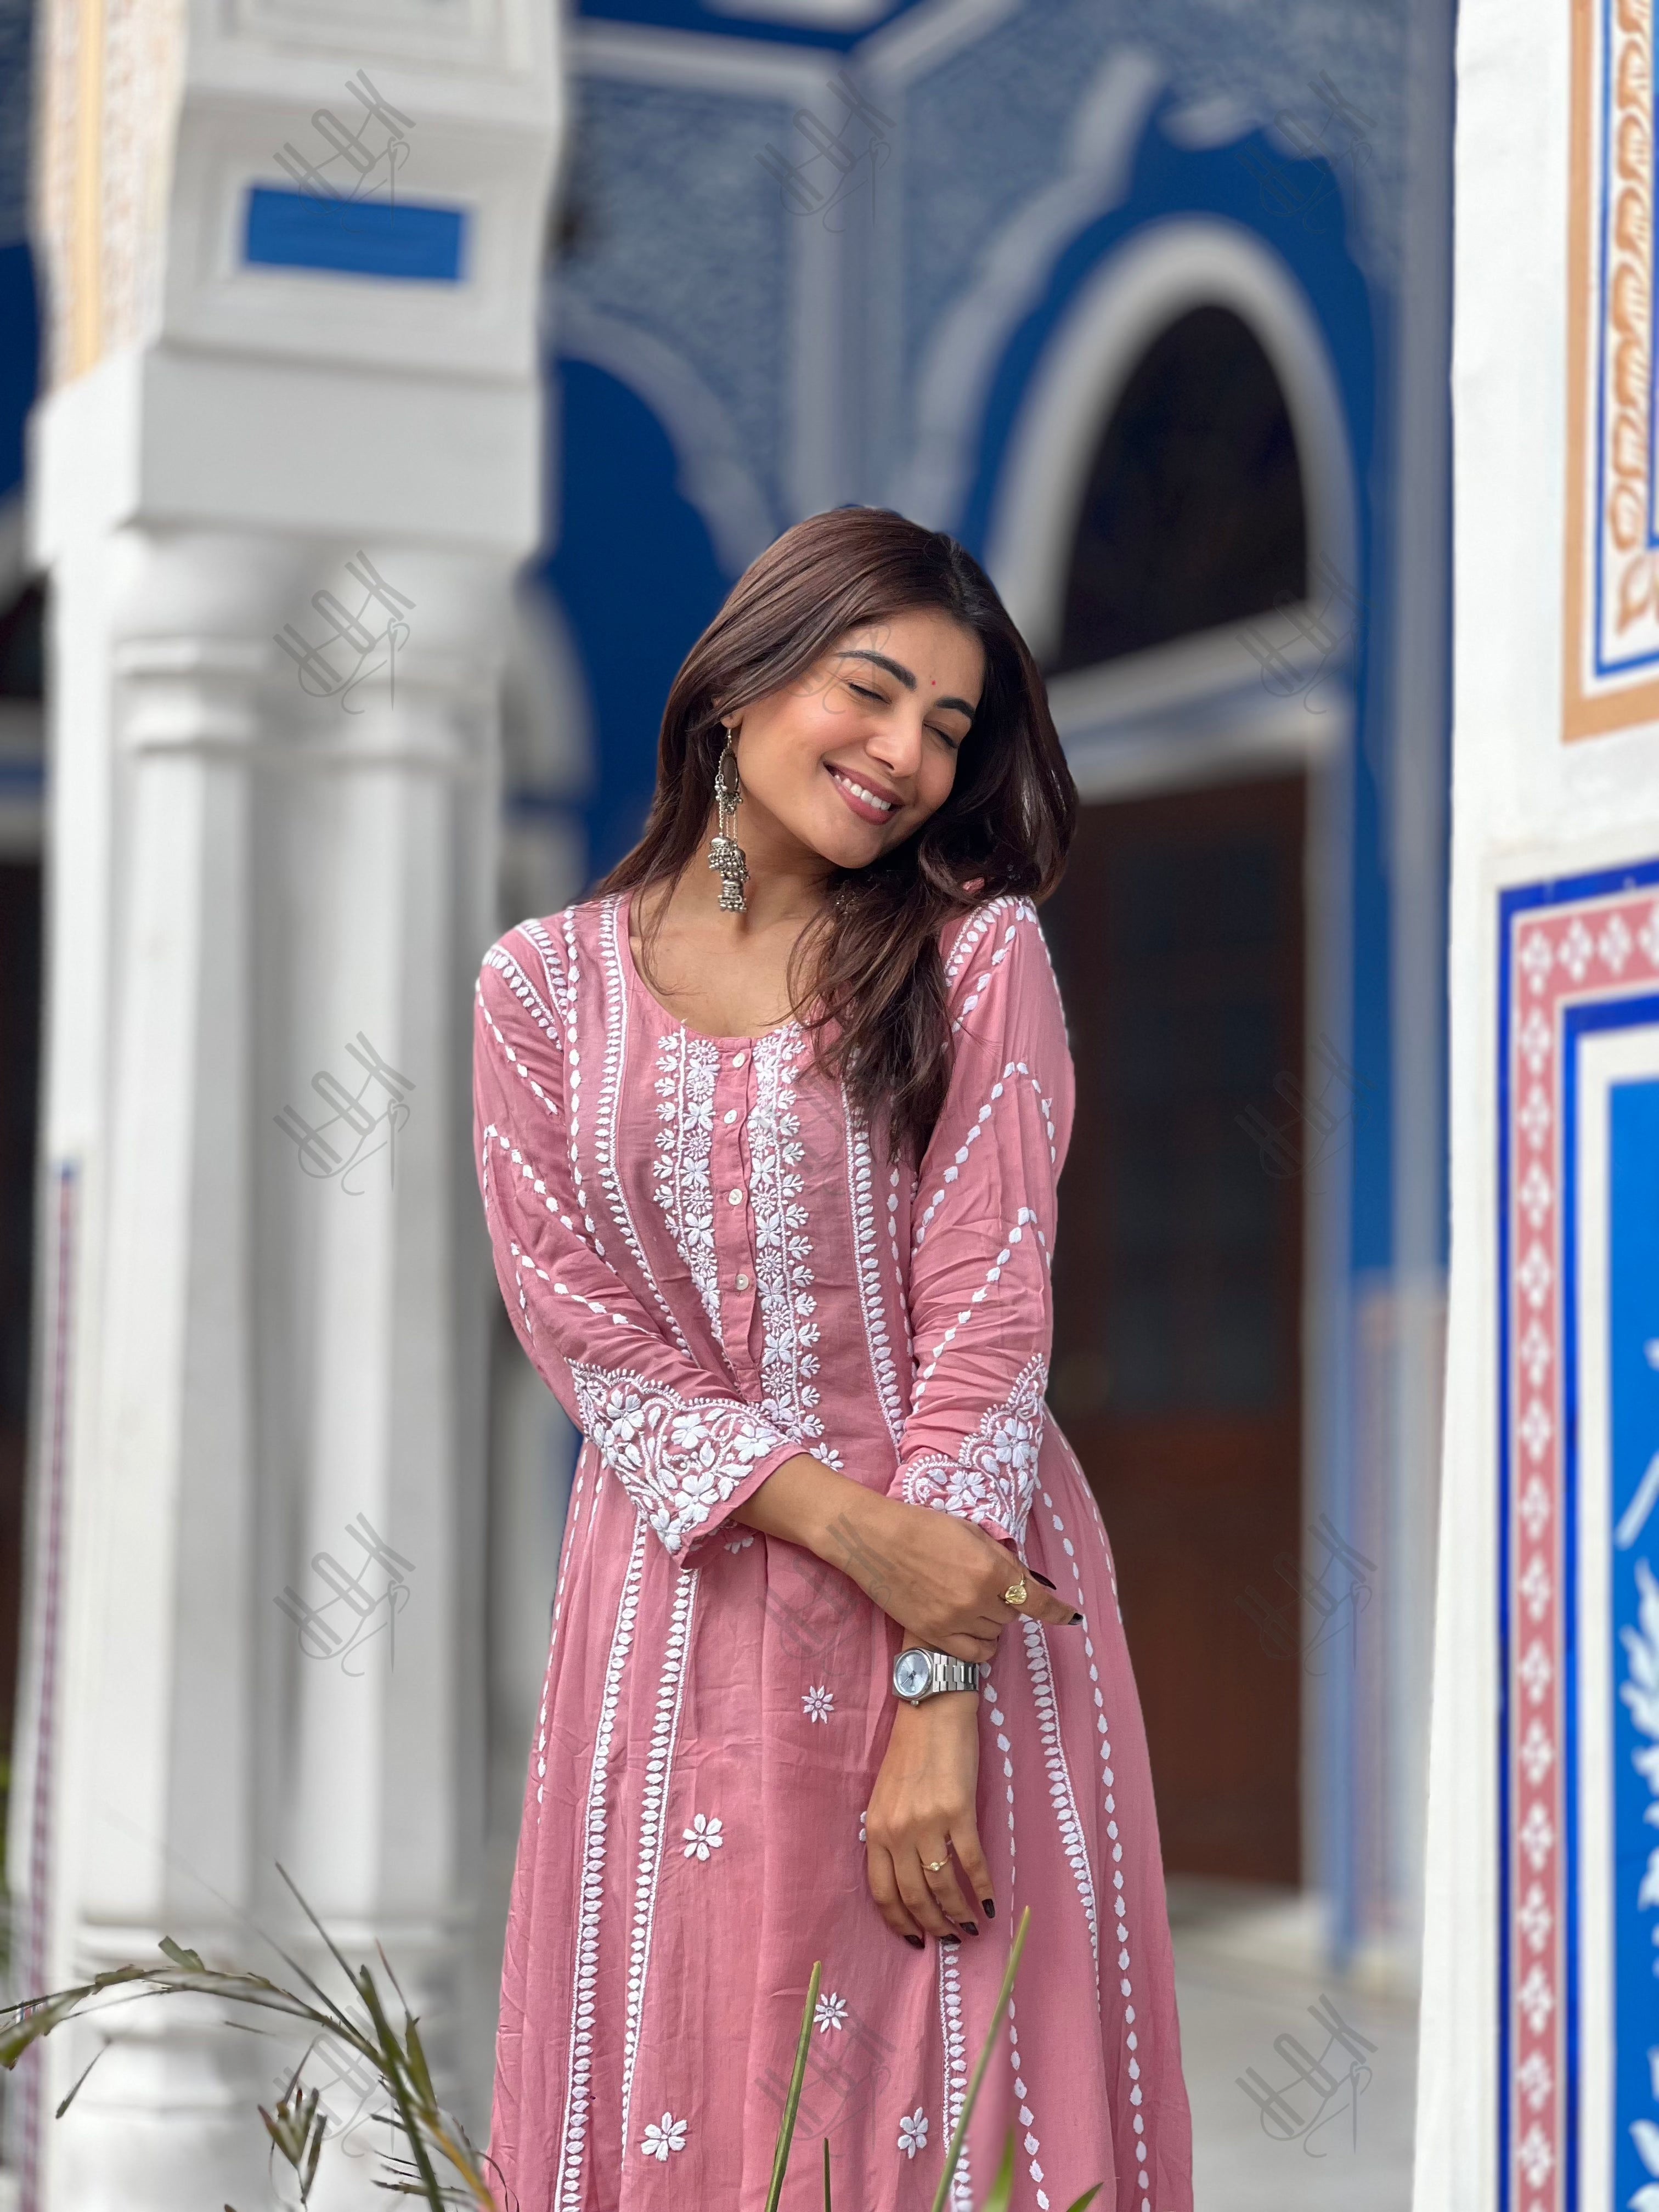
{"points": [[936, 1866], [1015, 1593]]}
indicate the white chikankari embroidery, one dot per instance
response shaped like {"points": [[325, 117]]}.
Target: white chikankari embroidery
{"points": [[678, 1458], [685, 1108], [702, 1836], [783, 1246], [993, 1474], [742, 1543], [817, 1703], [663, 2135], [830, 2011], [913, 2132]]}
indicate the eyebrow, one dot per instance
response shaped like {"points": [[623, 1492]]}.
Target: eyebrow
{"points": [[904, 675]]}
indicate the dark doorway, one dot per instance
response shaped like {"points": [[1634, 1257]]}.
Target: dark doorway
{"points": [[1193, 515], [1178, 935]]}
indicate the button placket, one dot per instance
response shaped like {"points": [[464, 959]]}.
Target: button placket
{"points": [[734, 1230]]}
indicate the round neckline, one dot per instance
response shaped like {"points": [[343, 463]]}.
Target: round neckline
{"points": [[626, 934]]}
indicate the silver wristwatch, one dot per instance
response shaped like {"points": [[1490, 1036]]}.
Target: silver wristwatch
{"points": [[920, 1673]]}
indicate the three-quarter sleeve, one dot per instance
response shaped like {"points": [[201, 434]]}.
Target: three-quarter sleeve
{"points": [[981, 1303], [688, 1449]]}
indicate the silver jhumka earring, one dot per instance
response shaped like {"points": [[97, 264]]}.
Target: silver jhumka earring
{"points": [[725, 855]]}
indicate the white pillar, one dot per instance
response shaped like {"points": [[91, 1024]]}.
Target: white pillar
{"points": [[261, 1370]]}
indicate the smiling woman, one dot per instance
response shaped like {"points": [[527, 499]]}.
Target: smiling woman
{"points": [[771, 1191]]}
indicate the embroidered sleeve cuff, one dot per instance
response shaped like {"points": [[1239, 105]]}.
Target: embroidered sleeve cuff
{"points": [[685, 1462], [992, 1480]]}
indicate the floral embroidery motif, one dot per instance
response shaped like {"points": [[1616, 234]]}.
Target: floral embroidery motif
{"points": [[663, 2135], [703, 1836], [913, 2132], [830, 2011], [742, 1543], [678, 1458], [817, 1703], [685, 1095], [863, 1817], [993, 1474]]}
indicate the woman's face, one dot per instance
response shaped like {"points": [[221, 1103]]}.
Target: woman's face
{"points": [[850, 759]]}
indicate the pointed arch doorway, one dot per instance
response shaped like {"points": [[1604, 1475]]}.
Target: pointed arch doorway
{"points": [[1182, 935]]}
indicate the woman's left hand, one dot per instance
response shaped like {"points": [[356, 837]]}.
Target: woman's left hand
{"points": [[922, 1810]]}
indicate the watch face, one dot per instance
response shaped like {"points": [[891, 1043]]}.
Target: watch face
{"points": [[913, 1672]]}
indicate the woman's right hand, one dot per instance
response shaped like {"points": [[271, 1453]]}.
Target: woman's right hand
{"points": [[938, 1575]]}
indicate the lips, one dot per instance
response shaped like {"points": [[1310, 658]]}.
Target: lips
{"points": [[869, 805]]}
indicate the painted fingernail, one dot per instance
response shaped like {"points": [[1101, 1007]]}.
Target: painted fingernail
{"points": [[972, 1926], [988, 1908], [1043, 1579], [1074, 1620], [915, 1943], [950, 1939]]}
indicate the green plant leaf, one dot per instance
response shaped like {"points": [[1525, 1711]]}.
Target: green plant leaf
{"points": [[792, 2103], [1002, 2188], [191, 1961], [76, 2091], [828, 2206], [1085, 2200]]}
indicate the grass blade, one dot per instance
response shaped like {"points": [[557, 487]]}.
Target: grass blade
{"points": [[828, 2206], [1002, 2188], [792, 2103], [1085, 2200], [959, 2134]]}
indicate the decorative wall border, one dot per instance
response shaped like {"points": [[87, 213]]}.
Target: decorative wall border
{"points": [[1564, 948], [1610, 656]]}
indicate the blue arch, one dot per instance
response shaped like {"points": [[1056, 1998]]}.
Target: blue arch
{"points": [[635, 569]]}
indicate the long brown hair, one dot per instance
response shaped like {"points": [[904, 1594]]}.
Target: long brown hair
{"points": [[870, 965]]}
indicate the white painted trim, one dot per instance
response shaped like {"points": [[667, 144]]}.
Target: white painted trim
{"points": [[1163, 272], [954, 377], [713, 473], [687, 60]]}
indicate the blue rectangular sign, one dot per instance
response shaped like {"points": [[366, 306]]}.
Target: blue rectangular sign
{"points": [[408, 242]]}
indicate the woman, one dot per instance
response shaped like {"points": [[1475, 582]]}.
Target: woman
{"points": [[769, 1142]]}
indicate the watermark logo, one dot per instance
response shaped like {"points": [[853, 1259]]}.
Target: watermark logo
{"points": [[351, 1124], [1290, 1145], [365, 1604], [1319, 2091], [840, 165], [357, 648], [1280, 1628], [359, 161], [1338, 136], [847, 2064], [1325, 633]]}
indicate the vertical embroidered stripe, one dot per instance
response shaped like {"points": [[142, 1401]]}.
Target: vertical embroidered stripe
{"points": [[578, 2092], [782, 1247], [586, 1458], [616, 1059], [573, 1083], [955, 2041], [860, 1192], [687, 1069], [1060, 1780], [659, 1774], [1126, 1986], [1027, 2119]]}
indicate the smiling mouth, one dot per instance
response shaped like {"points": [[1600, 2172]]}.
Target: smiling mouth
{"points": [[871, 806]]}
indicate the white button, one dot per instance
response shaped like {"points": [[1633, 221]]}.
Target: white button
{"points": [[738, 1058], [731, 1114], [734, 1198], [743, 1282]]}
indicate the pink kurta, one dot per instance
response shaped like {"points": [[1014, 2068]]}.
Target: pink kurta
{"points": [[715, 1268]]}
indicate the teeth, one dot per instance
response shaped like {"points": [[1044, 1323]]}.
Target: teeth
{"points": [[870, 798]]}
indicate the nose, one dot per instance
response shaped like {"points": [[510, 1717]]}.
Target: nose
{"points": [[895, 743]]}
